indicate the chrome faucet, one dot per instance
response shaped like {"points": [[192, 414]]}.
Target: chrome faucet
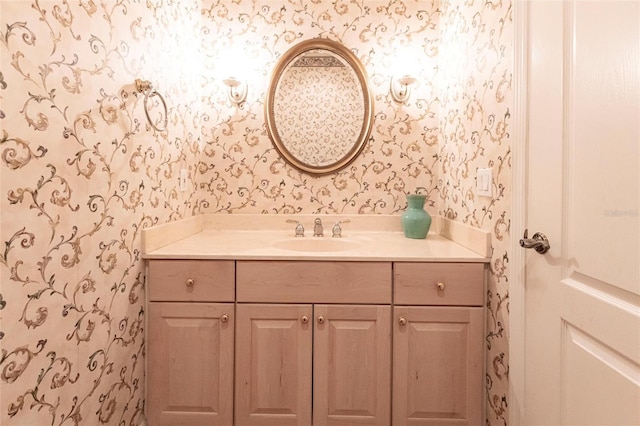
{"points": [[318, 230]]}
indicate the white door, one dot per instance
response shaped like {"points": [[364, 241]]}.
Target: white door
{"points": [[582, 297]]}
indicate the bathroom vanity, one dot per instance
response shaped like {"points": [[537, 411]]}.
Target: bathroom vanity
{"points": [[371, 329]]}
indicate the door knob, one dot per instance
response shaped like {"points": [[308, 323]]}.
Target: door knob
{"points": [[320, 319], [539, 242]]}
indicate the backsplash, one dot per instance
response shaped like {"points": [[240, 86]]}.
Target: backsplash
{"points": [[82, 171]]}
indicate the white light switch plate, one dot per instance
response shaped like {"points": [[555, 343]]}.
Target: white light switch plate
{"points": [[483, 183], [182, 179]]}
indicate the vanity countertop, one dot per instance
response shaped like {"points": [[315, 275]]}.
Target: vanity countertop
{"points": [[269, 237]]}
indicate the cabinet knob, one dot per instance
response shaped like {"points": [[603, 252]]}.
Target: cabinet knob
{"points": [[304, 319], [440, 285], [189, 282], [320, 319], [224, 318], [402, 321]]}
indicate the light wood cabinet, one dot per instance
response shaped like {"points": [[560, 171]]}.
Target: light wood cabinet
{"points": [[345, 349], [351, 365], [273, 365], [190, 343], [190, 364], [437, 366], [279, 343], [313, 282], [192, 281], [349, 345], [438, 351]]}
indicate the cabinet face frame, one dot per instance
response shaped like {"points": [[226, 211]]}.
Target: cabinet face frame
{"points": [[182, 337]]}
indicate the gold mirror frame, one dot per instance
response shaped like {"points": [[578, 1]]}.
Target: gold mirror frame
{"points": [[344, 53]]}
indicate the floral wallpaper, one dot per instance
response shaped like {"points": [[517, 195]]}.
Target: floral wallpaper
{"points": [[239, 169], [475, 118], [82, 171]]}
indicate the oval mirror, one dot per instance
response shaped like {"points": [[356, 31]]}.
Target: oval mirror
{"points": [[319, 109]]}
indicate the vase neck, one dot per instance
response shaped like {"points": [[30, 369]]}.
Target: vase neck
{"points": [[416, 201]]}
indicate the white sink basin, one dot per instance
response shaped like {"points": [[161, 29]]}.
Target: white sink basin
{"points": [[316, 244]]}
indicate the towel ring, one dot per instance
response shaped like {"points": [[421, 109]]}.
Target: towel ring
{"points": [[143, 86]]}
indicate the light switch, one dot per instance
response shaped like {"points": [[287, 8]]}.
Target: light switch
{"points": [[483, 183], [182, 179]]}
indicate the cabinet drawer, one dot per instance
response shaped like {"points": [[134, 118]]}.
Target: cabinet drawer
{"points": [[313, 282], [453, 284], [191, 280]]}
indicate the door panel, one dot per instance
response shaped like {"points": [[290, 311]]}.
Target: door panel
{"points": [[190, 356], [589, 401], [437, 366], [603, 130], [582, 298], [273, 365], [352, 365]]}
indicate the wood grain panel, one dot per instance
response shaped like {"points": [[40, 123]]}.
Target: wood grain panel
{"points": [[417, 284], [190, 358], [314, 282], [437, 366], [273, 365], [213, 280], [352, 365]]}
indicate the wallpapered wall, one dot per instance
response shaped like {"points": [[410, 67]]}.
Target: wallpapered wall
{"points": [[240, 171], [82, 172], [475, 120]]}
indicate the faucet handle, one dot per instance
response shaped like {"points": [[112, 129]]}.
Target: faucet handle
{"points": [[299, 227], [336, 232], [318, 230]]}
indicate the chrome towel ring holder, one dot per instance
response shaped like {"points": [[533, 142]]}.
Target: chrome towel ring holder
{"points": [[144, 86]]}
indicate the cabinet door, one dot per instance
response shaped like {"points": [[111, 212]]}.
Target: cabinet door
{"points": [[190, 360], [352, 365], [437, 366], [273, 365]]}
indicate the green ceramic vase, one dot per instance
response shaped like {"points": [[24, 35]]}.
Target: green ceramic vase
{"points": [[415, 220]]}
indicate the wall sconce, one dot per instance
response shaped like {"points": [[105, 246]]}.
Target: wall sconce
{"points": [[401, 88], [237, 90]]}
